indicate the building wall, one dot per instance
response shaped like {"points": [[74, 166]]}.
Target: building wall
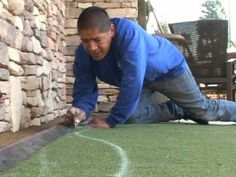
{"points": [[32, 62], [38, 39]]}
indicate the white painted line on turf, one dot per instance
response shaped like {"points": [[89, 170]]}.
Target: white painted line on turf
{"points": [[45, 165], [221, 123], [209, 122], [124, 158]]}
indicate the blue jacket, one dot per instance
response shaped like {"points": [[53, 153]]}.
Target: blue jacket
{"points": [[135, 58]]}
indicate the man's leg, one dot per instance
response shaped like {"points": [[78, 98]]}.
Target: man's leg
{"points": [[155, 108], [184, 92]]}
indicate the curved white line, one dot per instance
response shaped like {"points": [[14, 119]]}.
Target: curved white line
{"points": [[124, 158], [45, 165]]}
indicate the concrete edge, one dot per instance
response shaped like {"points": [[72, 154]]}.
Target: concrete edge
{"points": [[13, 154]]}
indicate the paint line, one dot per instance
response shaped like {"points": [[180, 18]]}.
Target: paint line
{"points": [[123, 170], [44, 168]]}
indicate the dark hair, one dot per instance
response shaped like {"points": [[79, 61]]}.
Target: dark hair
{"points": [[94, 17]]}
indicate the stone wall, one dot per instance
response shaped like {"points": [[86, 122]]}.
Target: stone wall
{"points": [[38, 39], [32, 62], [115, 8]]}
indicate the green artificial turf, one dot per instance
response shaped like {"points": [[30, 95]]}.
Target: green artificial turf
{"points": [[163, 150]]}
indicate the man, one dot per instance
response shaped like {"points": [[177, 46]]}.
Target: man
{"points": [[119, 52]]}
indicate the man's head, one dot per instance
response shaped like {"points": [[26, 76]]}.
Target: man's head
{"points": [[96, 31]]}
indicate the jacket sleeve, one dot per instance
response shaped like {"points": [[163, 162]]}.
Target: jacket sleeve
{"points": [[133, 66], [85, 90]]}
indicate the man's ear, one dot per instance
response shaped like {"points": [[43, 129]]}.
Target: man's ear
{"points": [[113, 30]]}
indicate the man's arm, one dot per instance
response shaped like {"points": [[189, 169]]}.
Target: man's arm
{"points": [[85, 90], [133, 66]]}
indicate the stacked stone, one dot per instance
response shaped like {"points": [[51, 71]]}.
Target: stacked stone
{"points": [[32, 58], [115, 8], [32, 62]]}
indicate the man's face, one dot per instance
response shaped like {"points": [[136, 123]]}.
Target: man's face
{"points": [[97, 43]]}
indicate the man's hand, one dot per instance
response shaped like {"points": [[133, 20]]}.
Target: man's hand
{"points": [[75, 115], [99, 123]]}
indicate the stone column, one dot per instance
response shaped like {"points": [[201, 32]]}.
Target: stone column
{"points": [[32, 62]]}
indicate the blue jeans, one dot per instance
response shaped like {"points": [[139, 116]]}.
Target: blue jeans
{"points": [[185, 100]]}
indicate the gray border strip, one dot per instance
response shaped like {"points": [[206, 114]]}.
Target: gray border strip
{"points": [[13, 154]]}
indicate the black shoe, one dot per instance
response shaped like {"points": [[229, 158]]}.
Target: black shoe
{"points": [[198, 121]]}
